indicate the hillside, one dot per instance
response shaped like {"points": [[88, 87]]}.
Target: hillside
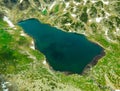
{"points": [[24, 69]]}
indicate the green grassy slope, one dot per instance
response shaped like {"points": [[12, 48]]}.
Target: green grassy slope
{"points": [[23, 67]]}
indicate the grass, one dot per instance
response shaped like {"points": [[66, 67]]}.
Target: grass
{"points": [[28, 74], [104, 76]]}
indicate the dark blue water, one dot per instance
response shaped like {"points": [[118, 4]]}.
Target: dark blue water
{"points": [[68, 52]]}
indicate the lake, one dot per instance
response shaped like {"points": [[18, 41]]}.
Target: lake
{"points": [[64, 51]]}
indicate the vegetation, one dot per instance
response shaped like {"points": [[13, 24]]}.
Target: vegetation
{"points": [[23, 67]]}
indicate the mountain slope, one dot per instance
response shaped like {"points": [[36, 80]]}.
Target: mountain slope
{"points": [[24, 68]]}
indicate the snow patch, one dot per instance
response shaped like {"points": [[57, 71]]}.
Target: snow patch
{"points": [[4, 86], [51, 6], [76, 3], [32, 45], [105, 2], [67, 4], [70, 30], [117, 29], [106, 32], [64, 10], [93, 1], [88, 10], [117, 90], [107, 14], [90, 20], [44, 62], [98, 19], [21, 1], [8, 21], [67, 24], [22, 33], [73, 15], [5, 89], [84, 2], [84, 33]]}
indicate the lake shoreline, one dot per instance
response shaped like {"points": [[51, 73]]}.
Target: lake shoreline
{"points": [[96, 59], [86, 69], [68, 55]]}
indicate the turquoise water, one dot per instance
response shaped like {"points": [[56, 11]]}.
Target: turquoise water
{"points": [[66, 52]]}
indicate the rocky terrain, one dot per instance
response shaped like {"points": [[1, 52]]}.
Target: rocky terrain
{"points": [[25, 69]]}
